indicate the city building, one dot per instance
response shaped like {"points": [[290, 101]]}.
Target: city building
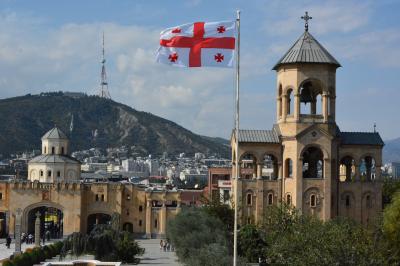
{"points": [[67, 204], [316, 167], [395, 170]]}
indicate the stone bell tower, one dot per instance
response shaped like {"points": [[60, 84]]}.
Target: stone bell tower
{"points": [[306, 92]]}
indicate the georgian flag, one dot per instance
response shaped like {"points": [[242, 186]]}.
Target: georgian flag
{"points": [[198, 44]]}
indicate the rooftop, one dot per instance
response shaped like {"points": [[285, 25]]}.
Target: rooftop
{"points": [[269, 136], [361, 138], [54, 133]]}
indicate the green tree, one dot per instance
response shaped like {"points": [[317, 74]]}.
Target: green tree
{"points": [[251, 243], [391, 227]]}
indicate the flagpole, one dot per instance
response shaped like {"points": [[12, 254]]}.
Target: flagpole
{"points": [[235, 226]]}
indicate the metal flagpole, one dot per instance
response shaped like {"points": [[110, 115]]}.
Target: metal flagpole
{"points": [[235, 226]]}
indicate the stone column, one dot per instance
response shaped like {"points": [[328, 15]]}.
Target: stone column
{"points": [[332, 107], [259, 170], [378, 173], [284, 107], [325, 106], [148, 219], [357, 172], [17, 233], [163, 222], [297, 106], [37, 230], [278, 108]]}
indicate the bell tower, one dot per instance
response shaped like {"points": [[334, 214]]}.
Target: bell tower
{"points": [[306, 93]]}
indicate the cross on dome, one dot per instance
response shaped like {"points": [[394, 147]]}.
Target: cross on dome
{"points": [[306, 18]]}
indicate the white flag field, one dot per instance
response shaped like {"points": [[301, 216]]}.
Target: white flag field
{"points": [[199, 44]]}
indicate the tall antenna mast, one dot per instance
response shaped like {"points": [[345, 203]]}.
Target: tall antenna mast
{"points": [[104, 93]]}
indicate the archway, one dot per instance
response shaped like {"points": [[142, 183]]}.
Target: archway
{"points": [[128, 227], [97, 218], [51, 221], [367, 168], [313, 163], [3, 229], [310, 98], [347, 169], [269, 168], [248, 166]]}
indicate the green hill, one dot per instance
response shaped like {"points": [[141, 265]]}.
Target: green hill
{"points": [[25, 119]]}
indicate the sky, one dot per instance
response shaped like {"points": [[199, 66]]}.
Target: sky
{"points": [[56, 46]]}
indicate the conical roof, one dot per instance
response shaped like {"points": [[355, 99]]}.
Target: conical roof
{"points": [[307, 50], [55, 133]]}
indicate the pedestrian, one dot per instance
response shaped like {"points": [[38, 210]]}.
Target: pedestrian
{"points": [[8, 241], [165, 246], [161, 244], [30, 239], [168, 246], [48, 235]]}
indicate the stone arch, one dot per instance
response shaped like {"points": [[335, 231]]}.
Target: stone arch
{"points": [[280, 100], [128, 227], [324, 151], [269, 168], [270, 197], [367, 167], [310, 90], [313, 159], [307, 198], [27, 209], [368, 199], [248, 165], [348, 199], [347, 168]]}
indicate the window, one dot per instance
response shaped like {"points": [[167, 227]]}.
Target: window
{"points": [[58, 174], [140, 222], [128, 197], [249, 199], [49, 173], [226, 195], [44, 149], [1, 196], [313, 201], [288, 199], [270, 199], [140, 208], [102, 197], [127, 212], [368, 202], [155, 223], [62, 150], [41, 172], [288, 168], [97, 197], [52, 150], [248, 220], [347, 201]]}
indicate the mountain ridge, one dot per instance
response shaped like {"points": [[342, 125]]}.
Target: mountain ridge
{"points": [[97, 122]]}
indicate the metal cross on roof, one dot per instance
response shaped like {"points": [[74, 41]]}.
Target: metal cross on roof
{"points": [[306, 18]]}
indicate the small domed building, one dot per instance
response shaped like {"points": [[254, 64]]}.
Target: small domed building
{"points": [[54, 164]]}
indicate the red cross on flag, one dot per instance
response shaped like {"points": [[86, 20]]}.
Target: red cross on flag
{"points": [[198, 44]]}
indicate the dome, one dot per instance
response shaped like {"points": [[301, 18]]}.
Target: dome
{"points": [[54, 133]]}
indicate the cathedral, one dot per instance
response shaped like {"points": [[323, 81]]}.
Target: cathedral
{"points": [[305, 160]]}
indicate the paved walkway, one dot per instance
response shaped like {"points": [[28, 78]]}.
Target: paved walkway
{"points": [[154, 256]]}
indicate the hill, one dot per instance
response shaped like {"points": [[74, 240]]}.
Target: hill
{"points": [[97, 122], [391, 151]]}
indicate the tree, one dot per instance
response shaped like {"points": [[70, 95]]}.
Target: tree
{"points": [[391, 227], [251, 244]]}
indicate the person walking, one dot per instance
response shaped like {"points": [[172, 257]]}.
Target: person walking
{"points": [[161, 245], [8, 241]]}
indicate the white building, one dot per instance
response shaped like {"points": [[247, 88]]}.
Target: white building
{"points": [[54, 164]]}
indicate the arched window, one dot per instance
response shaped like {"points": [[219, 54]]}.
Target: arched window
{"points": [[58, 173], [249, 198], [140, 222], [102, 197], [155, 223], [140, 208], [348, 202], [269, 168], [313, 163], [248, 164], [367, 169], [62, 150], [288, 199], [52, 150], [368, 202], [310, 98], [44, 150], [288, 168], [313, 201], [248, 220], [290, 102], [270, 199], [97, 197], [49, 173], [347, 169], [41, 172]]}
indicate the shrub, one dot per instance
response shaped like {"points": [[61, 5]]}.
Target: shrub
{"points": [[7, 263]]}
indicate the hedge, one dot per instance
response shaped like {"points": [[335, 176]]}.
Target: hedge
{"points": [[35, 255]]}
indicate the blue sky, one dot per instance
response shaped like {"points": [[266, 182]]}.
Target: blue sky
{"points": [[56, 45]]}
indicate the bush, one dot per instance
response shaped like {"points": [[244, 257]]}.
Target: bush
{"points": [[7, 263]]}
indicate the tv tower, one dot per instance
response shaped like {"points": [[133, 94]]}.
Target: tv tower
{"points": [[104, 93]]}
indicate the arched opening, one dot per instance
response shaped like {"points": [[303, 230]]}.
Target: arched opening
{"points": [[97, 218], [313, 163], [313, 201], [248, 166], [44, 150], [270, 199], [348, 201], [269, 168], [347, 169], [367, 169], [249, 199], [51, 222], [62, 150], [290, 102], [3, 228], [310, 98], [52, 150], [128, 227], [288, 199], [368, 202], [288, 168]]}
